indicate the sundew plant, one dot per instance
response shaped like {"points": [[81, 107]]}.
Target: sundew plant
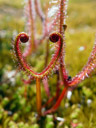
{"points": [[53, 28], [47, 64]]}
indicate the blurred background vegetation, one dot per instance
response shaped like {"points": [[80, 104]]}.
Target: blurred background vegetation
{"points": [[80, 108]]}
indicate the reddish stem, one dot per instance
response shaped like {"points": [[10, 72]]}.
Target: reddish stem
{"points": [[38, 96], [57, 104], [32, 30], [39, 10], [63, 71]]}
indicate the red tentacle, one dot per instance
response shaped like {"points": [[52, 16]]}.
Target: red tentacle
{"points": [[51, 65]]}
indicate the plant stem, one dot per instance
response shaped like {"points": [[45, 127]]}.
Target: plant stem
{"points": [[38, 96], [62, 70], [32, 25], [57, 104], [61, 16], [47, 54]]}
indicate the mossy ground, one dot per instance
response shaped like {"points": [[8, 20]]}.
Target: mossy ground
{"points": [[18, 112]]}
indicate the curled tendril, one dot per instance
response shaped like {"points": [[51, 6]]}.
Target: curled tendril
{"points": [[24, 38]]}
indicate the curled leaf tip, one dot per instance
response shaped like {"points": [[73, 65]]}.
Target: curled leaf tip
{"points": [[24, 38], [54, 37]]}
